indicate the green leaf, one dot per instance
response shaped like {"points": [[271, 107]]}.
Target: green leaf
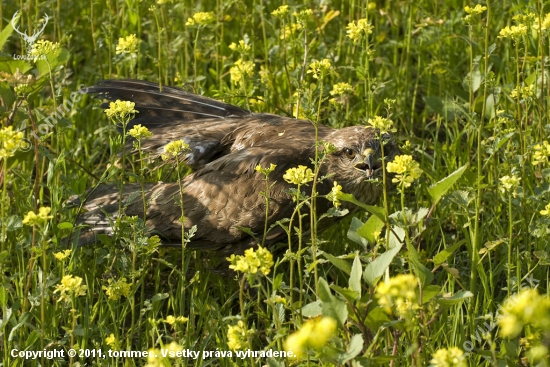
{"points": [[444, 255], [376, 269], [439, 189], [355, 276], [332, 306], [375, 210], [355, 346], [349, 294], [324, 291], [457, 298], [312, 309], [371, 226], [7, 31], [354, 236], [339, 263], [422, 272], [53, 60], [159, 297], [10, 66], [430, 292], [65, 225]]}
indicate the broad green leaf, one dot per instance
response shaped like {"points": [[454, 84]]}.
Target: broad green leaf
{"points": [[53, 60], [158, 297], [324, 291], [376, 269], [355, 346], [444, 255], [457, 298], [339, 263], [376, 210], [10, 66], [354, 236], [65, 225], [349, 294], [7, 31], [371, 226], [312, 309], [439, 189], [355, 276], [337, 309], [422, 272], [430, 292]]}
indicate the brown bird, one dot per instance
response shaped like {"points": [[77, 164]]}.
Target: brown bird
{"points": [[223, 194]]}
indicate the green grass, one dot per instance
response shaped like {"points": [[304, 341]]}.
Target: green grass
{"points": [[455, 109]]}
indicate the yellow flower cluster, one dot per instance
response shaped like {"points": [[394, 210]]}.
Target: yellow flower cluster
{"points": [[451, 357], [70, 286], [545, 23], [478, 9], [546, 210], [382, 123], [120, 110], [265, 170], [242, 47], [127, 45], [341, 88], [237, 336], [526, 307], [172, 320], [313, 333], [523, 92], [140, 132], [112, 342], [334, 194], [32, 219], [62, 255], [10, 142], [541, 153], [356, 32], [290, 29], [515, 32], [252, 261], [509, 184], [298, 175], [399, 294], [406, 169], [201, 19], [303, 16], [117, 289], [281, 11], [174, 148], [319, 68], [42, 48], [240, 70]]}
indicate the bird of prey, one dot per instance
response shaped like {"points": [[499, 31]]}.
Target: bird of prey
{"points": [[224, 193]]}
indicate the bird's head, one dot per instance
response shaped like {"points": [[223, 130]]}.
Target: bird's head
{"points": [[356, 163]]}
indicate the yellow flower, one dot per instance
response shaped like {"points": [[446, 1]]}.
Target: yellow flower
{"points": [[303, 16], [546, 210], [240, 70], [267, 170], [509, 184], [174, 148], [112, 342], [62, 255], [319, 68], [526, 307], [290, 29], [523, 92], [70, 286], [541, 153], [252, 261], [515, 32], [399, 294], [42, 217], [406, 168], [242, 47], [281, 11], [382, 123], [117, 289], [201, 19], [120, 110], [154, 358], [299, 175], [451, 357], [237, 336], [313, 333], [334, 194], [140, 132], [478, 9], [127, 45], [10, 142], [545, 23], [356, 32], [42, 47], [172, 320], [341, 88]]}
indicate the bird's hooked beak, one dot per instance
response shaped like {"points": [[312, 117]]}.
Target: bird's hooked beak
{"points": [[369, 163]]}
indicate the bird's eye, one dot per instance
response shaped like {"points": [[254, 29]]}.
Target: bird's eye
{"points": [[350, 153]]}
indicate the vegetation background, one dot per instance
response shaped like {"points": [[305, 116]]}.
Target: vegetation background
{"points": [[467, 90]]}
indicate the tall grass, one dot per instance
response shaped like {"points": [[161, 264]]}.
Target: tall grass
{"points": [[470, 106]]}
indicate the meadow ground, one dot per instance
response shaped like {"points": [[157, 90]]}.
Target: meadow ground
{"points": [[451, 269]]}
